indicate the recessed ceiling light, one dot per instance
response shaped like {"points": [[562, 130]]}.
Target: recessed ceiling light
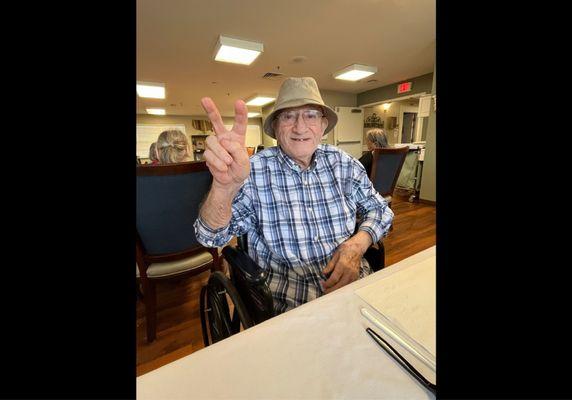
{"points": [[259, 100], [155, 111], [355, 72], [253, 114], [237, 51], [151, 90]]}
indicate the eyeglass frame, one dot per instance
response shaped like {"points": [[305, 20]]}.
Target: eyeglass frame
{"points": [[298, 113]]}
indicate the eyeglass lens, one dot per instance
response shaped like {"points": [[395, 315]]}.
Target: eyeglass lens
{"points": [[310, 117]]}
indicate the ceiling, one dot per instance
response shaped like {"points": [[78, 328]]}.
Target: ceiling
{"points": [[176, 40]]}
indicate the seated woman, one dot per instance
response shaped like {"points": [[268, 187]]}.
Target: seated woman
{"points": [[173, 147], [375, 139]]}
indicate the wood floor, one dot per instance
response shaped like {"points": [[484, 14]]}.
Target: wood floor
{"points": [[178, 322]]}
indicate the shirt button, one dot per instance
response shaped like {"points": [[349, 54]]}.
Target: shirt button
{"points": [[306, 183], [316, 238]]}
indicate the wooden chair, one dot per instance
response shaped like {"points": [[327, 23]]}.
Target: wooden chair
{"points": [[168, 199], [385, 169]]}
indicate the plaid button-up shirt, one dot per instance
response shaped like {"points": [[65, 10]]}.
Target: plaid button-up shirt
{"points": [[295, 220]]}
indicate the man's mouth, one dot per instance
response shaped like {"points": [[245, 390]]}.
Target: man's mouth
{"points": [[300, 140]]}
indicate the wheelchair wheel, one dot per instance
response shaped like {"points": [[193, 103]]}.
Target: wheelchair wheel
{"points": [[216, 320]]}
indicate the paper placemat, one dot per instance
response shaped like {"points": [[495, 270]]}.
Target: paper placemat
{"points": [[408, 299]]}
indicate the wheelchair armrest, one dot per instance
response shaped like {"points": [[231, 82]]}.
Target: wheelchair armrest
{"points": [[250, 282], [376, 256], [238, 258]]}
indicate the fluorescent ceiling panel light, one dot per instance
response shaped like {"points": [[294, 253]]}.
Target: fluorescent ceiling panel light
{"points": [[355, 72], [151, 90], [253, 114], [259, 100], [237, 51], [155, 111]]}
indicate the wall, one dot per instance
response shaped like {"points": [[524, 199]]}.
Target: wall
{"points": [[419, 84], [428, 189], [378, 110], [187, 121]]}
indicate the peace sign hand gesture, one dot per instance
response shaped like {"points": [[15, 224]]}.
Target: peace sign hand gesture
{"points": [[225, 154]]}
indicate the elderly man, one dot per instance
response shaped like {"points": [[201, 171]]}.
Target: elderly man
{"points": [[297, 202]]}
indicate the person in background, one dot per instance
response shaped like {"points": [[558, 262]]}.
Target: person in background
{"points": [[173, 147], [297, 202], [153, 154], [374, 139]]}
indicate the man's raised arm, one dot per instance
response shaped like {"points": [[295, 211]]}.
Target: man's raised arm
{"points": [[228, 162]]}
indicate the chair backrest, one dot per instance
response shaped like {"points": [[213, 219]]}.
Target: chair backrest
{"points": [[385, 169], [168, 200]]}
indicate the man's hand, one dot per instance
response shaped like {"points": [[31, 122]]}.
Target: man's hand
{"points": [[346, 262], [225, 153]]}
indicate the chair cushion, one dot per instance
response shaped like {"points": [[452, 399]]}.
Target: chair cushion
{"points": [[158, 270]]}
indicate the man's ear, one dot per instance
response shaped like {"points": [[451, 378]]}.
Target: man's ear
{"points": [[325, 124]]}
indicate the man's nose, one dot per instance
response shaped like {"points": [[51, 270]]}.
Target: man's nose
{"points": [[300, 124]]}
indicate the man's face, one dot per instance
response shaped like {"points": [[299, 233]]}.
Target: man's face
{"points": [[299, 131]]}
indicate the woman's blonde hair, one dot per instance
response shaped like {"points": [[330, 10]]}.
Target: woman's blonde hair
{"points": [[153, 152], [173, 147]]}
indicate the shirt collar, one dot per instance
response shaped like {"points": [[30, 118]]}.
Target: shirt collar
{"points": [[288, 163]]}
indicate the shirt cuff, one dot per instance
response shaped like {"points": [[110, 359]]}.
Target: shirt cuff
{"points": [[210, 237]]}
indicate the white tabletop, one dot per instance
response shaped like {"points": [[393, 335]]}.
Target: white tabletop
{"points": [[319, 350]]}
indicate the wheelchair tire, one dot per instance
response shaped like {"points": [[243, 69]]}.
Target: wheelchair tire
{"points": [[215, 310]]}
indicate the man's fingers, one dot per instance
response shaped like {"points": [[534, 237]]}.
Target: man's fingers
{"points": [[335, 277], [214, 163], [215, 145], [240, 118], [236, 150], [344, 280], [331, 264], [213, 114]]}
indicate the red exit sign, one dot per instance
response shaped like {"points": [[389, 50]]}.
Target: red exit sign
{"points": [[404, 87]]}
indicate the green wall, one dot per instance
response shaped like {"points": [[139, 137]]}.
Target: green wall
{"points": [[428, 189]]}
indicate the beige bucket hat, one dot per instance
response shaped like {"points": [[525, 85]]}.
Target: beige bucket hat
{"points": [[296, 92]]}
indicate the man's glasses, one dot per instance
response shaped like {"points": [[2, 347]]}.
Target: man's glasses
{"points": [[310, 117]]}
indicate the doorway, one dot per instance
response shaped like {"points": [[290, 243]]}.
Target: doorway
{"points": [[408, 129]]}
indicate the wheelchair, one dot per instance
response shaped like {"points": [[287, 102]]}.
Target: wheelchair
{"points": [[246, 292]]}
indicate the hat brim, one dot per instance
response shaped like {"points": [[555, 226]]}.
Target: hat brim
{"points": [[331, 115]]}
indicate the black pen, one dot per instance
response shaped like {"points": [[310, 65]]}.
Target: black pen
{"points": [[402, 361]]}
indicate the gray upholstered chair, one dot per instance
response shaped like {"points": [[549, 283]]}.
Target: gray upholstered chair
{"points": [[168, 200]]}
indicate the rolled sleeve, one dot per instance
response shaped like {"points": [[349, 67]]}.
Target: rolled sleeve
{"points": [[377, 221], [211, 237], [241, 221]]}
